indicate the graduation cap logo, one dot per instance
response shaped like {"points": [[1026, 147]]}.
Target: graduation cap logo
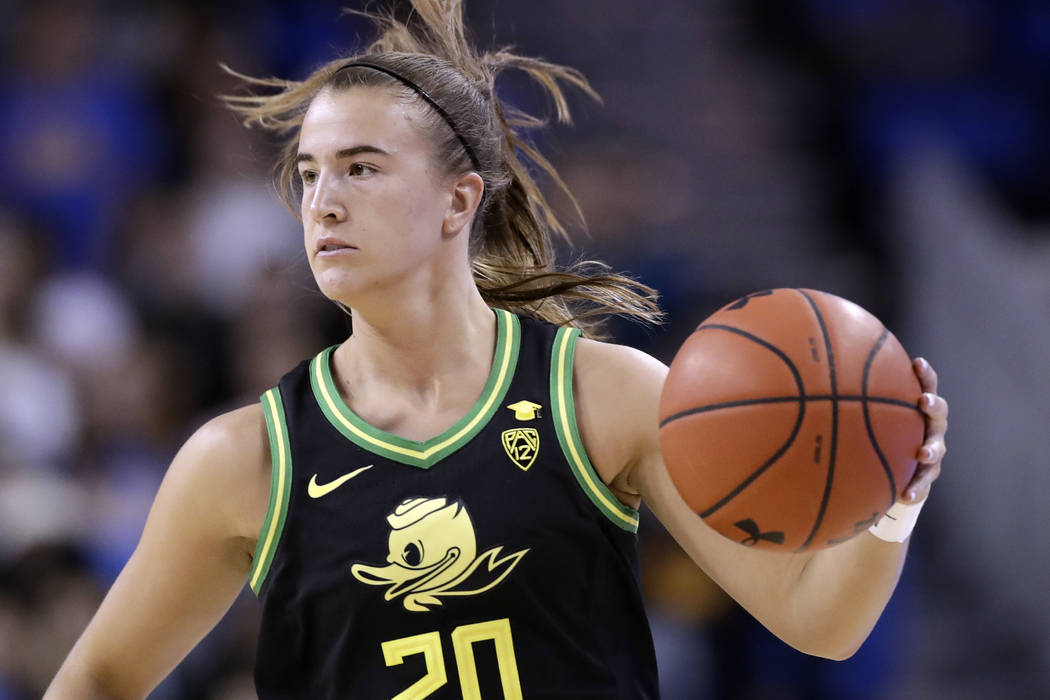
{"points": [[522, 445], [525, 410]]}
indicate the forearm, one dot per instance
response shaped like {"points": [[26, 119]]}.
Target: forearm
{"points": [[842, 591]]}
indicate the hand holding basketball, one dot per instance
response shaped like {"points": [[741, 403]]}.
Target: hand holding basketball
{"points": [[792, 420], [935, 411]]}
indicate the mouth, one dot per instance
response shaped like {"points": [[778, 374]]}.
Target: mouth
{"points": [[332, 246]]}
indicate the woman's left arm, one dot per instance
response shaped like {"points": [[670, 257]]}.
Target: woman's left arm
{"points": [[823, 603], [844, 589]]}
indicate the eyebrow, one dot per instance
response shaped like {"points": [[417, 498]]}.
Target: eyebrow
{"points": [[344, 153]]}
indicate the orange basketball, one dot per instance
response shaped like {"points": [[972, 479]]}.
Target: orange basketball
{"points": [[790, 420]]}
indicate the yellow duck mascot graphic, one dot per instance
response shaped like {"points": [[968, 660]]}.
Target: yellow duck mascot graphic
{"points": [[433, 554]]}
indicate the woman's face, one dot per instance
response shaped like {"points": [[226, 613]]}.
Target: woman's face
{"points": [[373, 205]]}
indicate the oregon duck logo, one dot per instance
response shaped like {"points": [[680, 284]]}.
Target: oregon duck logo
{"points": [[433, 554]]}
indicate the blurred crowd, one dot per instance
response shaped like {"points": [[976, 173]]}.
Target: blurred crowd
{"points": [[150, 279]]}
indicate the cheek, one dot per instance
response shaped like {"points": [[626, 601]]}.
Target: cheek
{"points": [[414, 220], [429, 210]]}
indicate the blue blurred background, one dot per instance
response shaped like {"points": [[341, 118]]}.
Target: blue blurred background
{"points": [[894, 152]]}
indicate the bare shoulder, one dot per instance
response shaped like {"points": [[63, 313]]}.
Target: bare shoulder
{"points": [[225, 467], [617, 391], [236, 434], [636, 367]]}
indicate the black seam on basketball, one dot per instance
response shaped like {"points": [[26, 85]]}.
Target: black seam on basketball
{"points": [[884, 400], [788, 399], [832, 453], [729, 404], [766, 465], [867, 415], [798, 420]]}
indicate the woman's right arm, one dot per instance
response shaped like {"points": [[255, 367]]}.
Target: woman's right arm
{"points": [[190, 564]]}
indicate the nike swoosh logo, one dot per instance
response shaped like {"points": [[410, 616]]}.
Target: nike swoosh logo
{"points": [[317, 490]]}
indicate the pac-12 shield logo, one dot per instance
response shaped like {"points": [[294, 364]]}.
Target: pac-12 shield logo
{"points": [[433, 554], [522, 446]]}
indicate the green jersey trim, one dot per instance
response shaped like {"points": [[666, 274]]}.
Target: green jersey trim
{"points": [[427, 453], [564, 407], [280, 487]]}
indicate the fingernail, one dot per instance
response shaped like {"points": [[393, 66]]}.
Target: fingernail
{"points": [[924, 363], [930, 399], [912, 495], [927, 454]]}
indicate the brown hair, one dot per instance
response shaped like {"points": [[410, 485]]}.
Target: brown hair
{"points": [[511, 245]]}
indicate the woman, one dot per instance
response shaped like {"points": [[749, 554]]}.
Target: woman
{"points": [[445, 504]]}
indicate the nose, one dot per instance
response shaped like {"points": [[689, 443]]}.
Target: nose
{"points": [[324, 203]]}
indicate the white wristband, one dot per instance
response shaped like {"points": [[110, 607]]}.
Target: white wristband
{"points": [[898, 522]]}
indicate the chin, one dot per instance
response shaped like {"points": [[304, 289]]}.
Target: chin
{"points": [[351, 286], [340, 287]]}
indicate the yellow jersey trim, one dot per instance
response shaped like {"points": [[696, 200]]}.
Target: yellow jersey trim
{"points": [[280, 488], [564, 407], [429, 452]]}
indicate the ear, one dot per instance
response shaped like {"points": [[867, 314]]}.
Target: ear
{"points": [[467, 191]]}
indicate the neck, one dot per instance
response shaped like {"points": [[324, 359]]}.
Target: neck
{"points": [[418, 347]]}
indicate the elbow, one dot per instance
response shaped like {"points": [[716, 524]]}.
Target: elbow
{"points": [[837, 654], [834, 643], [832, 649], [836, 637]]}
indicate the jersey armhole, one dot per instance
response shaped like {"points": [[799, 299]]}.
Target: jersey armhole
{"points": [[564, 409], [280, 488]]}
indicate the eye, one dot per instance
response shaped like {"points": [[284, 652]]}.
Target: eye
{"points": [[308, 177], [413, 553], [361, 170]]}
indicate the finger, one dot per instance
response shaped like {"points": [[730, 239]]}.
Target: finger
{"points": [[935, 408], [932, 452], [926, 374], [933, 405], [920, 485]]}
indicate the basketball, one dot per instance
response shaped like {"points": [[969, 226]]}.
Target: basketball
{"points": [[790, 420]]}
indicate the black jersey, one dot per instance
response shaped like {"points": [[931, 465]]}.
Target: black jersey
{"points": [[487, 562]]}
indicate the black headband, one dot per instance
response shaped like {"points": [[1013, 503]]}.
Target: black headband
{"points": [[427, 98]]}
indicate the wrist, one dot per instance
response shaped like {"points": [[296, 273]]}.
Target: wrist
{"points": [[898, 522]]}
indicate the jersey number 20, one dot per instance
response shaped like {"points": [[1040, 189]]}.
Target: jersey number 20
{"points": [[463, 639]]}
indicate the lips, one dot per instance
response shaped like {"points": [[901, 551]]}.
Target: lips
{"points": [[330, 245]]}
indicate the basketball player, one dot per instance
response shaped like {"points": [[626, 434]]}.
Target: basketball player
{"points": [[444, 505]]}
